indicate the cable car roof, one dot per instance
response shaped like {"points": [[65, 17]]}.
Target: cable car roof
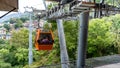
{"points": [[8, 5]]}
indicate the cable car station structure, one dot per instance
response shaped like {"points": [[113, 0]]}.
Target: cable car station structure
{"points": [[69, 10], [75, 7]]}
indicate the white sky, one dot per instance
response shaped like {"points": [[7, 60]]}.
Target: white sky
{"points": [[30, 3]]}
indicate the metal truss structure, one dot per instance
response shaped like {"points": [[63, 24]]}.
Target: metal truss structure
{"points": [[71, 10]]}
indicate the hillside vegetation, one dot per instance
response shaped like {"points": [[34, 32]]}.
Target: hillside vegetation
{"points": [[103, 39]]}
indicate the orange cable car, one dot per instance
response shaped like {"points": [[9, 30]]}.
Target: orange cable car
{"points": [[44, 40]]}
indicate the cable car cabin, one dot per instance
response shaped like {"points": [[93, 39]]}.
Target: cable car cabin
{"points": [[44, 40]]}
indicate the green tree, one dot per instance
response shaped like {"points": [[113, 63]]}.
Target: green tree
{"points": [[24, 19], [5, 65], [7, 26], [2, 41], [20, 38], [22, 56], [116, 30], [99, 37], [3, 52], [71, 33], [12, 20], [18, 24]]}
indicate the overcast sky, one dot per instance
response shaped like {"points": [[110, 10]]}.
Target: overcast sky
{"points": [[30, 3], [34, 3]]}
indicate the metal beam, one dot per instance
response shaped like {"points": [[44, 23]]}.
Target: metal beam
{"points": [[30, 41], [82, 41], [45, 5], [102, 1], [63, 49], [63, 1]]}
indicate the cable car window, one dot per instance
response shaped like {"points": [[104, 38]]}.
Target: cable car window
{"points": [[45, 38]]}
